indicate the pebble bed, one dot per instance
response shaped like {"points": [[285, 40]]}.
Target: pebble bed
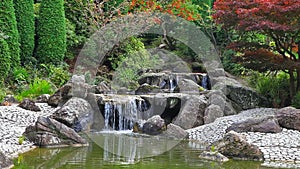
{"points": [[13, 122], [281, 150]]}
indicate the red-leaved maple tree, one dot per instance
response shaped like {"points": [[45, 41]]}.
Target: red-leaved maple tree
{"points": [[278, 21]]}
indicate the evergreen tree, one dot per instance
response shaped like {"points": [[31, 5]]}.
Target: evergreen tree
{"points": [[8, 26], [25, 21], [4, 59], [51, 32]]}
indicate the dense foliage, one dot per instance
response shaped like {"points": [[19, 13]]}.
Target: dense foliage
{"points": [[269, 34], [25, 21], [8, 26], [51, 32], [4, 60]]}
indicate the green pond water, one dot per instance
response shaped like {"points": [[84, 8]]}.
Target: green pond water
{"points": [[172, 155]]}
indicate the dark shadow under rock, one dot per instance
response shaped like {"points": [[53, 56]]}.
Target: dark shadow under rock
{"points": [[48, 132], [28, 104], [263, 125]]}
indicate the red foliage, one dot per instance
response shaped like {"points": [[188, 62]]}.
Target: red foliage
{"points": [[175, 7], [266, 15]]}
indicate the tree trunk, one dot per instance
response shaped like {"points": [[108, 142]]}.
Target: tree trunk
{"points": [[298, 81], [292, 84], [298, 70]]}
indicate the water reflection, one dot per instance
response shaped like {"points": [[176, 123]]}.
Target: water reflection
{"points": [[129, 155], [128, 148]]}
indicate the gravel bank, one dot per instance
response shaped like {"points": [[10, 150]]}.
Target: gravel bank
{"points": [[13, 122], [279, 149]]}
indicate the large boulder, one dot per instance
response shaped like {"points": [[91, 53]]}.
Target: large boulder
{"points": [[289, 118], [217, 97], [192, 112], [154, 126], [246, 98], [241, 96], [175, 132], [5, 162], [189, 86], [212, 112], [28, 104], [48, 132], [235, 145], [76, 87], [263, 125], [61, 96], [77, 113]]}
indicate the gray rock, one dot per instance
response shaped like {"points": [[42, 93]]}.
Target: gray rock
{"points": [[154, 126], [61, 96], [175, 132], [213, 156], [43, 98], [289, 118], [5, 162], [10, 98], [263, 125], [234, 145], [48, 132], [212, 112], [146, 89], [77, 79], [216, 99], [189, 86], [246, 98], [102, 88], [76, 87], [192, 112], [76, 113], [28, 104], [216, 72]]}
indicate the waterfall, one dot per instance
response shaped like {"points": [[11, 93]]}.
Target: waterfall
{"points": [[121, 114], [205, 81]]}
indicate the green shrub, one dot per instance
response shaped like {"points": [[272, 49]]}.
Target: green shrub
{"points": [[25, 21], [8, 26], [73, 40], [51, 32], [127, 73], [37, 88], [127, 47], [58, 75], [296, 101], [230, 65], [4, 60], [20, 75], [273, 87]]}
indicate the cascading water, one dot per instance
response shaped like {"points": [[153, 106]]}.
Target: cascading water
{"points": [[205, 82], [172, 83], [121, 114]]}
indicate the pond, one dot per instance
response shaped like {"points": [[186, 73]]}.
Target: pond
{"points": [[182, 155]]}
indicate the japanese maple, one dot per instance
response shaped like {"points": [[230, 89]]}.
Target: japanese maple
{"points": [[278, 21]]}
